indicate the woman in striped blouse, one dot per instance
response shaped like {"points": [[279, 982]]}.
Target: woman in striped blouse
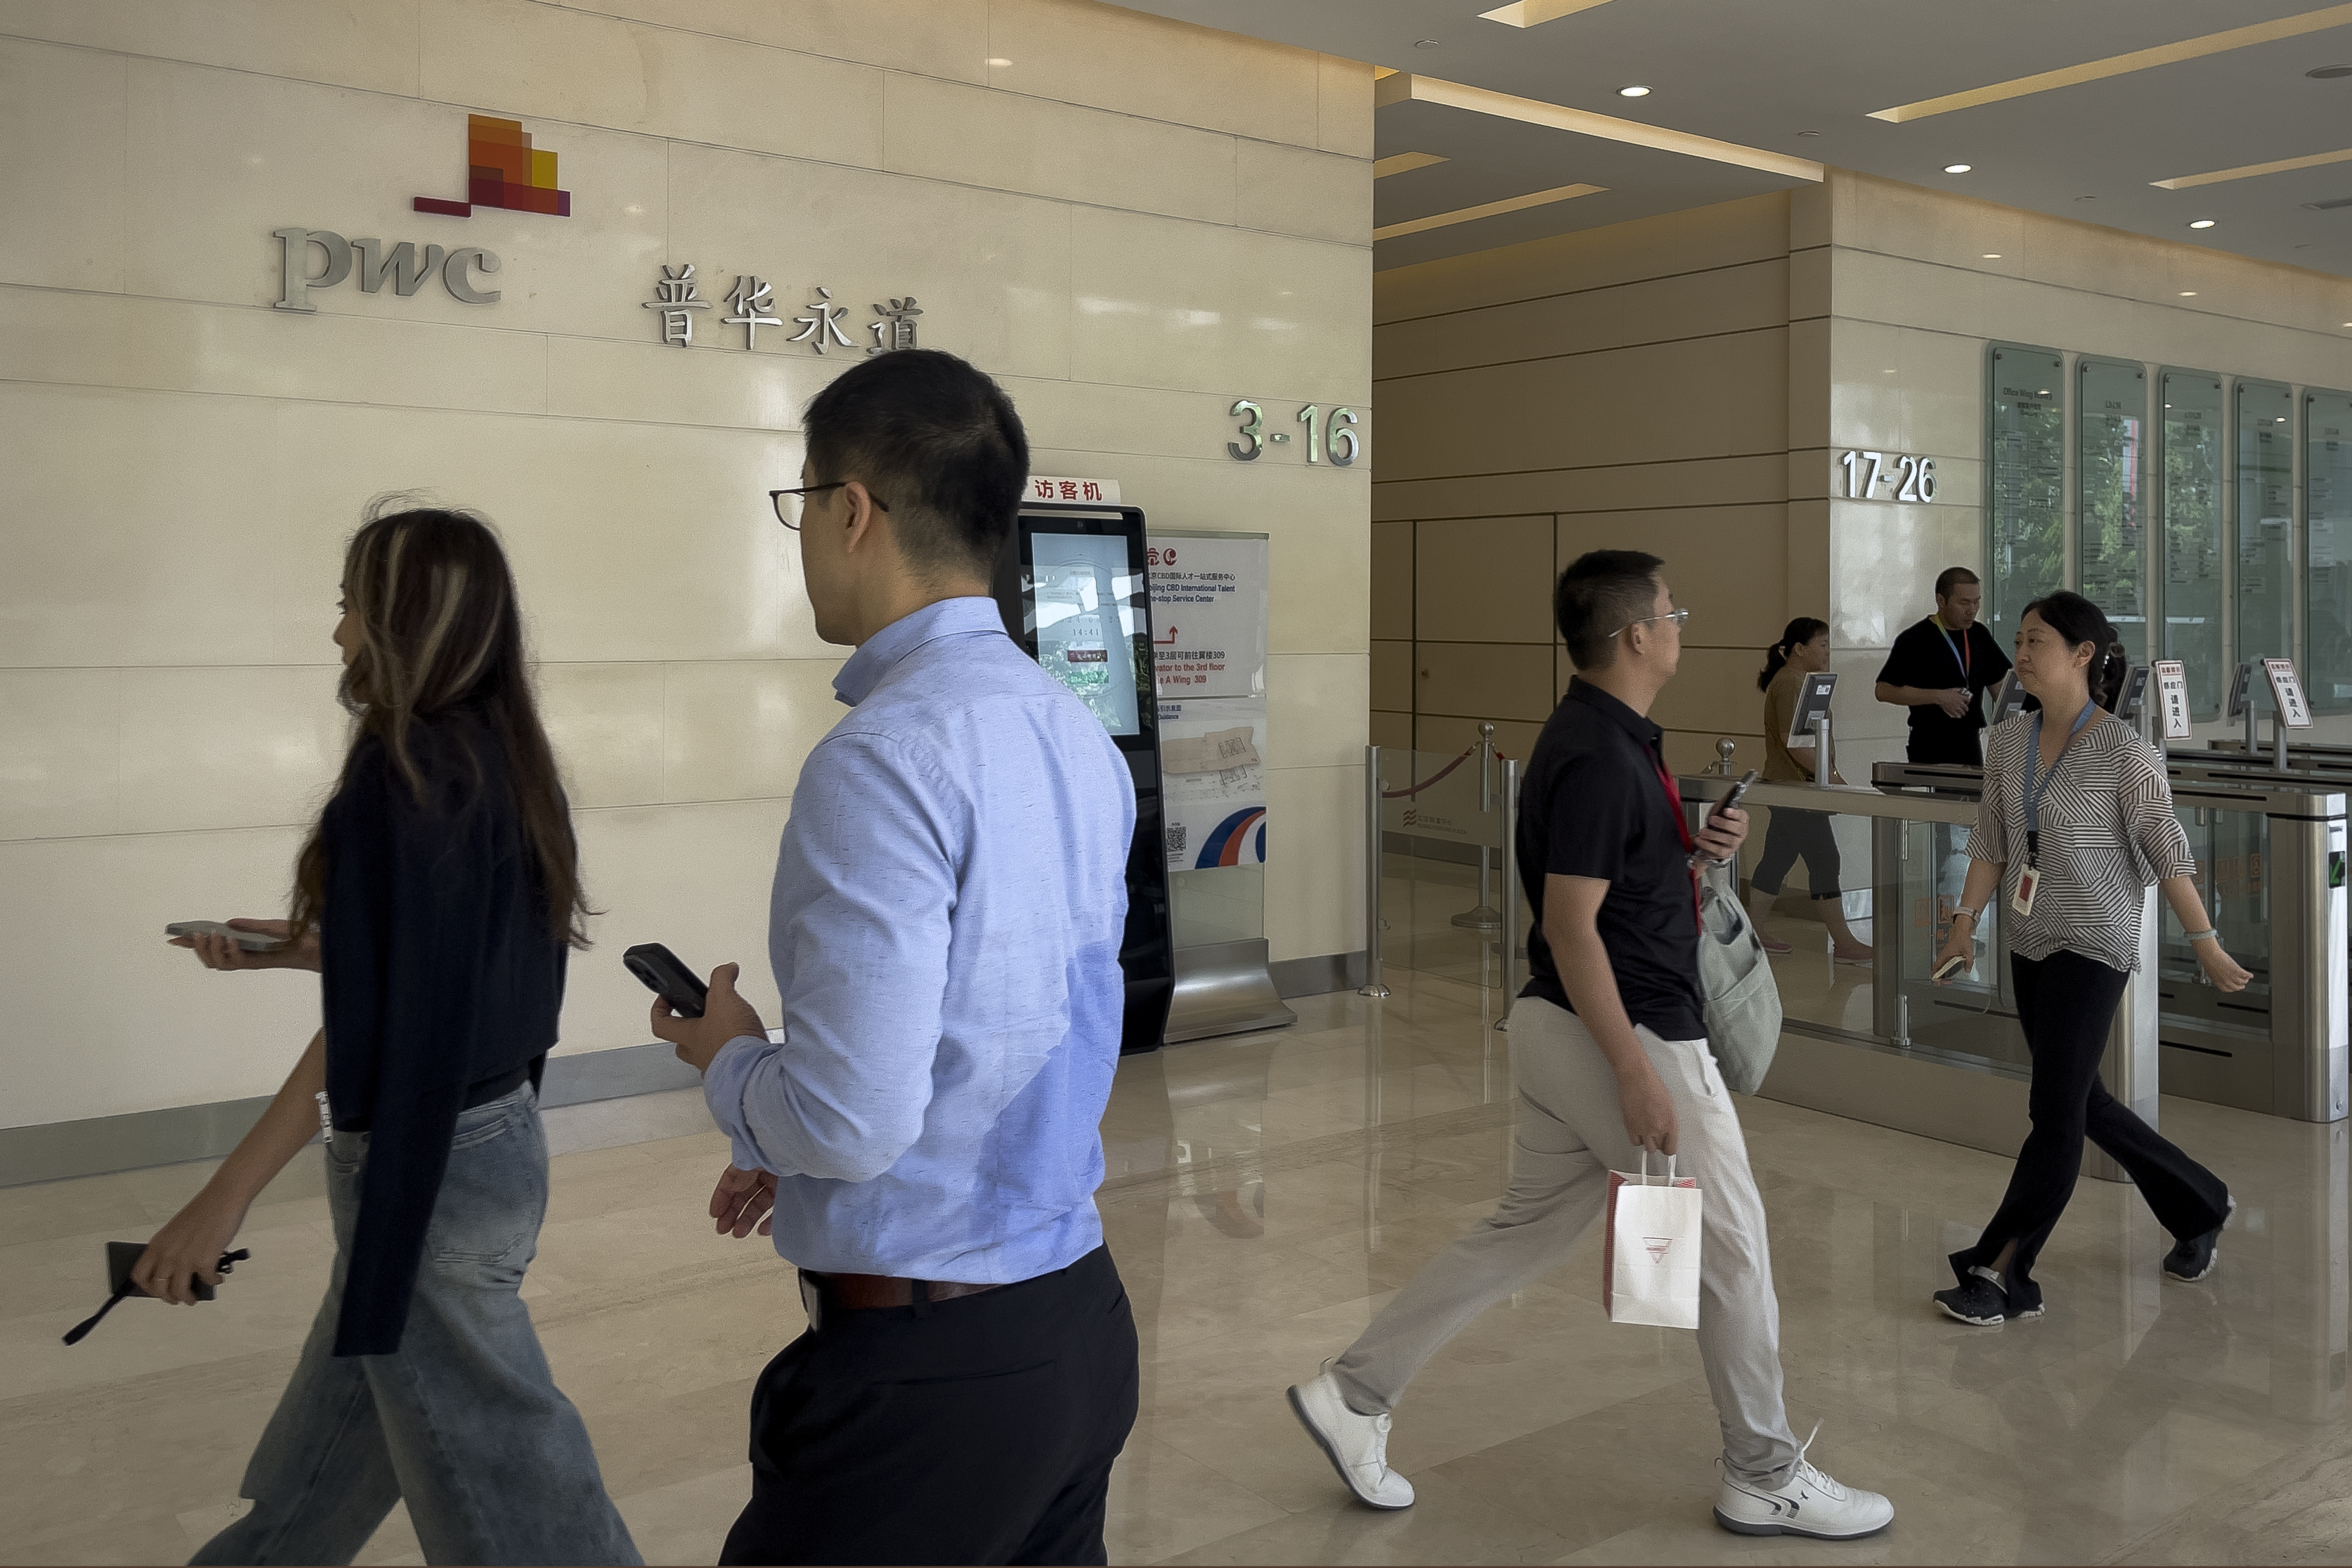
{"points": [[2075, 823]]}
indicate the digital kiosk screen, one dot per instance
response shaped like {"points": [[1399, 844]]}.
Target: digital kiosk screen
{"points": [[1081, 602]]}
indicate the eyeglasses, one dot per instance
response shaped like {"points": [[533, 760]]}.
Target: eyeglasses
{"points": [[1680, 618], [790, 504]]}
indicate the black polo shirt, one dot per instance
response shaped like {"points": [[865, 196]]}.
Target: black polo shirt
{"points": [[1928, 658], [1592, 805]]}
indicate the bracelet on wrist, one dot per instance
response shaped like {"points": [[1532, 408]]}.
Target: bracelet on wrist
{"points": [[1972, 914], [2210, 933]]}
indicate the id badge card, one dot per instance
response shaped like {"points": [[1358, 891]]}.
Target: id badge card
{"points": [[2027, 881]]}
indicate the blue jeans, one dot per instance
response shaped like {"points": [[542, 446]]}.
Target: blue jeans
{"points": [[464, 1421]]}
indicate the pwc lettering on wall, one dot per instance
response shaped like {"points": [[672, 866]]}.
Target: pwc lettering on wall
{"points": [[502, 170]]}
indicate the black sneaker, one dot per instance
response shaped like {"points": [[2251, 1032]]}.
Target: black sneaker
{"points": [[1981, 1301], [2191, 1260]]}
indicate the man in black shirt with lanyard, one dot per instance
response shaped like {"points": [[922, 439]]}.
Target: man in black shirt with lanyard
{"points": [[1940, 669], [1610, 1057]]}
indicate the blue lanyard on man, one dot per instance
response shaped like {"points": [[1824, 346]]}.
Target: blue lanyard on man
{"points": [[2033, 788], [1962, 653]]}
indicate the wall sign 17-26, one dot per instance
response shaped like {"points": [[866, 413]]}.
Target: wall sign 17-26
{"points": [[1889, 476], [1330, 437]]}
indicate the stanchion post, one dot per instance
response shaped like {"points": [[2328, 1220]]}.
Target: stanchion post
{"points": [[1372, 986], [1510, 889]]}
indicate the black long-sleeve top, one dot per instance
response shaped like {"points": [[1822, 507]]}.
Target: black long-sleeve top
{"points": [[442, 974]]}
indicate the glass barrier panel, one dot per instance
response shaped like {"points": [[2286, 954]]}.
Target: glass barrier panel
{"points": [[2328, 538], [2265, 521], [1820, 919], [2192, 498], [2111, 519], [2232, 851]]}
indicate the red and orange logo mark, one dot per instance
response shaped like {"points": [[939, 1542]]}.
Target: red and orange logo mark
{"points": [[503, 170]]}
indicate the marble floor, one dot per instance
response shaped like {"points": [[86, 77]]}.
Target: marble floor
{"points": [[1266, 1194]]}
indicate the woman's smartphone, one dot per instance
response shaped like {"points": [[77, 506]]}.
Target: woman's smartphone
{"points": [[1951, 966], [667, 978], [251, 941]]}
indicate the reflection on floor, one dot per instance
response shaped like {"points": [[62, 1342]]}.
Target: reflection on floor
{"points": [[1264, 1195]]}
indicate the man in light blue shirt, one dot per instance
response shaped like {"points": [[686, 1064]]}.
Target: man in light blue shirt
{"points": [[948, 903]]}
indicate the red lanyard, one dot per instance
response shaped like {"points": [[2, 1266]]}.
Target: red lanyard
{"points": [[1682, 825]]}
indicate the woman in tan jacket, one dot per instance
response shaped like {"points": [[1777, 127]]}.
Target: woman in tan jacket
{"points": [[1803, 648]]}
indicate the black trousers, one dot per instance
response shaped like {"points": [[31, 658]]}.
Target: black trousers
{"points": [[2066, 1003], [980, 1429], [1793, 833]]}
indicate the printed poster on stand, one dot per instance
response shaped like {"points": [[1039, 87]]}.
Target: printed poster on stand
{"points": [[1208, 619], [1213, 781]]}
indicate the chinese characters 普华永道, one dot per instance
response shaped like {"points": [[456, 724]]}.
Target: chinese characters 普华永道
{"points": [[821, 321]]}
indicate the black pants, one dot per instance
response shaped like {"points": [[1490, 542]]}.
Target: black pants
{"points": [[2066, 1003], [980, 1429], [1793, 833]]}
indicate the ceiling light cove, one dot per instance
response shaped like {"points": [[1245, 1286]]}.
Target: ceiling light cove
{"points": [[1632, 92], [1488, 209], [1403, 163], [2123, 65], [1958, 168], [1403, 88], [2202, 222], [2250, 171], [1535, 12]]}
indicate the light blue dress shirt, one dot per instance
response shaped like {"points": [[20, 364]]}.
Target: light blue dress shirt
{"points": [[949, 897]]}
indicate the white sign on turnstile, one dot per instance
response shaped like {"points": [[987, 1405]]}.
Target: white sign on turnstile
{"points": [[2172, 693], [2287, 690]]}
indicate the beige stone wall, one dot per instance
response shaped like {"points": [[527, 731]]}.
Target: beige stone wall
{"points": [[1130, 222], [1622, 388]]}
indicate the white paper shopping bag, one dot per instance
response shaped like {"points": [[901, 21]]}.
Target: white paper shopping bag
{"points": [[1649, 1263]]}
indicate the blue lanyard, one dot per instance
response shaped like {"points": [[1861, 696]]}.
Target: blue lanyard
{"points": [[2033, 788], [1961, 653]]}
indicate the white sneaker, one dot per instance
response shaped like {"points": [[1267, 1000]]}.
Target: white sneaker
{"points": [[1357, 1445], [1810, 1504]]}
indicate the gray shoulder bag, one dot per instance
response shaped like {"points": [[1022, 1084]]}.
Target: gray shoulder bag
{"points": [[1743, 1000]]}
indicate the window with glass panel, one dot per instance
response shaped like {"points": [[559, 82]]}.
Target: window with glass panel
{"points": [[2024, 504], [2265, 434], [2111, 518], [2327, 542], [2191, 595]]}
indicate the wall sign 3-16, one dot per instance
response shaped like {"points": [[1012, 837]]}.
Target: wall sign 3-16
{"points": [[1330, 437], [1889, 476]]}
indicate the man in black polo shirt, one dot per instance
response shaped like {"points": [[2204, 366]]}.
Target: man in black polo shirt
{"points": [[1610, 1057], [1940, 669]]}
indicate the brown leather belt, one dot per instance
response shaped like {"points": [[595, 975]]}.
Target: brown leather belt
{"points": [[867, 1292]]}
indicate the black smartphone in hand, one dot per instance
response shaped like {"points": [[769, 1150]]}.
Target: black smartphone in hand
{"points": [[1732, 797], [667, 978]]}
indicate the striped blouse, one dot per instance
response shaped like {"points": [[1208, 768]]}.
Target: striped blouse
{"points": [[2108, 835]]}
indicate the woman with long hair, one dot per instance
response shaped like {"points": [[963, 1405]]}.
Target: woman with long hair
{"points": [[2074, 823], [1803, 648], [439, 897]]}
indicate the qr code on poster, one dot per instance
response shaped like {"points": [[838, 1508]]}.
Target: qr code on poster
{"points": [[1176, 836]]}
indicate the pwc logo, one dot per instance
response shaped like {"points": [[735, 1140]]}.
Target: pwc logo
{"points": [[502, 170]]}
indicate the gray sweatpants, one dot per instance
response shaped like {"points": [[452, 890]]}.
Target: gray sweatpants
{"points": [[1571, 1132]]}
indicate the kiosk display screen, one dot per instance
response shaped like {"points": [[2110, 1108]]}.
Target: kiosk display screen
{"points": [[1081, 602]]}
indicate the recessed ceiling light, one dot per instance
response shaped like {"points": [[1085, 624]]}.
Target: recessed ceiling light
{"points": [[1424, 43], [2202, 222], [1992, 256], [999, 64], [1808, 133], [2188, 293], [2086, 198], [1958, 168], [1632, 92], [2329, 73]]}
